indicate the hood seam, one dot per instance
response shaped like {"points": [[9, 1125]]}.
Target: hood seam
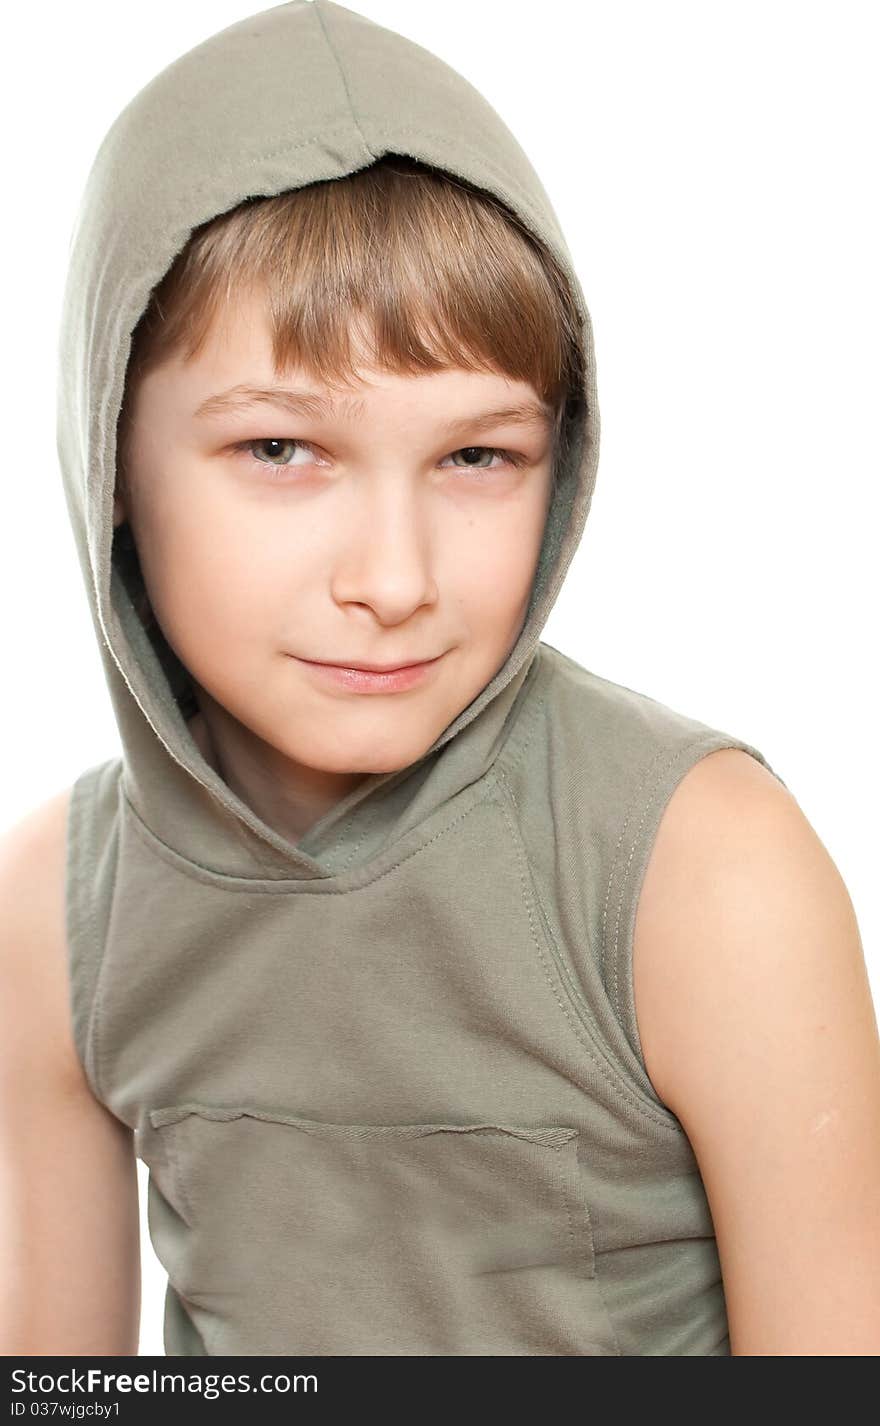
{"points": [[318, 10], [279, 886]]}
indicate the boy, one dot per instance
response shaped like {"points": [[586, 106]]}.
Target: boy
{"points": [[415, 960]]}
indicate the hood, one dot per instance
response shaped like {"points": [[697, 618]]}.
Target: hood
{"points": [[194, 142]]}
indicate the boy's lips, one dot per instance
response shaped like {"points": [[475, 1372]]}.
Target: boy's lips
{"points": [[387, 678], [363, 667]]}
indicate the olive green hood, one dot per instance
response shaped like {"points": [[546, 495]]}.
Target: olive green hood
{"points": [[194, 142]]}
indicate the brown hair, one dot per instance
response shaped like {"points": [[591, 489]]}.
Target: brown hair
{"points": [[433, 271], [441, 273]]}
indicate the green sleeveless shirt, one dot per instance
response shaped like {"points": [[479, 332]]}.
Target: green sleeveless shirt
{"points": [[388, 1081]]}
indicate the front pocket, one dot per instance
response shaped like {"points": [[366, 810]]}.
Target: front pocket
{"points": [[289, 1236]]}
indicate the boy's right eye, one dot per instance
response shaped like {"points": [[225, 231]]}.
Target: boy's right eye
{"points": [[277, 442]]}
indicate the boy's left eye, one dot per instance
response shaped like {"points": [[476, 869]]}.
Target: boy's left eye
{"points": [[469, 451], [473, 454]]}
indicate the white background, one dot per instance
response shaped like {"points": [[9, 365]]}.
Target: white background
{"points": [[714, 167]]}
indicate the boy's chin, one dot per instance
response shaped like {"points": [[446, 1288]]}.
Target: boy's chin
{"points": [[357, 761]]}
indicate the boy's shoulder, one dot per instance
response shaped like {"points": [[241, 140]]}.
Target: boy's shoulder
{"points": [[32, 854]]}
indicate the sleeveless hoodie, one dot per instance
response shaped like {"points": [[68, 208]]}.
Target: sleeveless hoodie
{"points": [[388, 1081]]}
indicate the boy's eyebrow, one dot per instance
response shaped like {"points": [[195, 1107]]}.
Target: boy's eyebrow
{"points": [[300, 402]]}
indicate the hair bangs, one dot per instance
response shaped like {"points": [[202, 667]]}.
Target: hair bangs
{"points": [[398, 266]]}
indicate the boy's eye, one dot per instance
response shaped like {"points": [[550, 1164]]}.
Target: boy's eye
{"points": [[474, 453], [276, 447], [274, 441]]}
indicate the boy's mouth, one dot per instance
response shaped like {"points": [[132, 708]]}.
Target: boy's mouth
{"points": [[362, 667], [373, 678]]}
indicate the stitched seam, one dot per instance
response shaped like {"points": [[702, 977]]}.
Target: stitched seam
{"points": [[645, 781], [318, 11], [179, 1181], [589, 1019], [567, 1206], [672, 761], [517, 754], [96, 1020], [541, 1135], [386, 131], [83, 977], [580, 1031], [667, 767], [287, 885], [578, 1188], [209, 185], [357, 846]]}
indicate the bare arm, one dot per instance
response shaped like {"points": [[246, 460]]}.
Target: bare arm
{"points": [[759, 1032], [69, 1228]]}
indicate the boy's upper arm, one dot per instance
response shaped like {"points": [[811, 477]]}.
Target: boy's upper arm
{"points": [[33, 947], [759, 1032], [69, 1227]]}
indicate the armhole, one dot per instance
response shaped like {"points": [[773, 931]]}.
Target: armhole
{"points": [[91, 840], [627, 875]]}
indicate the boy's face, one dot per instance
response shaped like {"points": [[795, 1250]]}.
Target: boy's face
{"points": [[378, 539]]}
